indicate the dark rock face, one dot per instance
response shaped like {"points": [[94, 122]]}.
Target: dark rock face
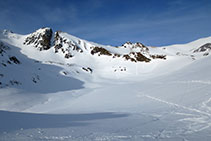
{"points": [[127, 57], [142, 47], [88, 69], [15, 82], [101, 51], [66, 46], [135, 45], [14, 60], [141, 58], [3, 48], [46, 39], [127, 44], [205, 47], [158, 57], [5, 57], [40, 39], [138, 44], [68, 55], [136, 57]]}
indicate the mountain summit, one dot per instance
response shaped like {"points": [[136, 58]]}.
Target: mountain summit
{"points": [[40, 39]]}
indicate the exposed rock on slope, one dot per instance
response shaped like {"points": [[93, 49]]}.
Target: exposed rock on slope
{"points": [[40, 39], [5, 58], [69, 46], [3, 48], [205, 47], [131, 56], [158, 57], [137, 47], [136, 57], [66, 46], [100, 51]]}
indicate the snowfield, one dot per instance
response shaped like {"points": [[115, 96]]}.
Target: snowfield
{"points": [[60, 87]]}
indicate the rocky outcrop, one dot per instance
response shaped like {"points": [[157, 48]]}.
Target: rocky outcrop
{"points": [[100, 51], [138, 53], [3, 48], [138, 47], [158, 57], [14, 60], [66, 46], [41, 39], [136, 57], [203, 48], [5, 58]]}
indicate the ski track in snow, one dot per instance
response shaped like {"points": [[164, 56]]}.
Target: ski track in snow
{"points": [[176, 105], [207, 105], [208, 82], [199, 121]]}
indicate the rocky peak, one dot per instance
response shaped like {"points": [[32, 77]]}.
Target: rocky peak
{"points": [[66, 46], [136, 47], [141, 46], [41, 39], [203, 48], [138, 44], [127, 44]]}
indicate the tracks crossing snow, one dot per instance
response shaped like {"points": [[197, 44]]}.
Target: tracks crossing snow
{"points": [[176, 105], [197, 121]]}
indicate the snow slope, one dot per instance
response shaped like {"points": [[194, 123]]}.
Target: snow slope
{"points": [[60, 87]]}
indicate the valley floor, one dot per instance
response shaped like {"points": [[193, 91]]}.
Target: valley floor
{"points": [[171, 107]]}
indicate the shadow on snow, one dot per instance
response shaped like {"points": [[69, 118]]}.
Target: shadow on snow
{"points": [[11, 121], [36, 77]]}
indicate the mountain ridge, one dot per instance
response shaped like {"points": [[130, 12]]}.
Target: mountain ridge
{"points": [[94, 60]]}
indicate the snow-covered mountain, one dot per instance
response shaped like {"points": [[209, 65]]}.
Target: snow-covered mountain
{"points": [[49, 72], [74, 56]]}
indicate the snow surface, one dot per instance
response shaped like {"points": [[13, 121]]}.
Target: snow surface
{"points": [[120, 100]]}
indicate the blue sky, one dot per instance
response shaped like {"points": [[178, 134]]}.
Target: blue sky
{"points": [[152, 22]]}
